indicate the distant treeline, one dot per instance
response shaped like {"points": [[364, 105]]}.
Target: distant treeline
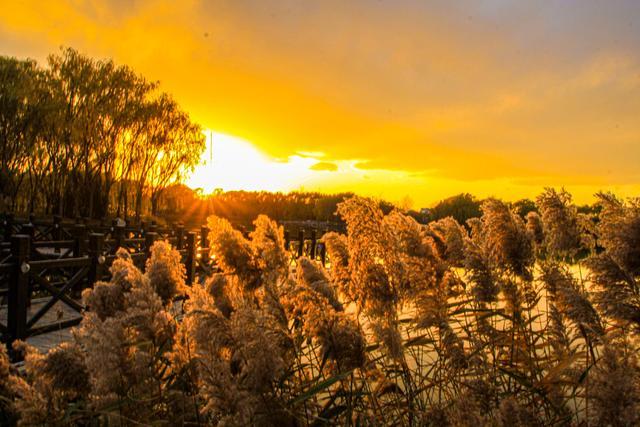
{"points": [[86, 137], [464, 206], [181, 203]]}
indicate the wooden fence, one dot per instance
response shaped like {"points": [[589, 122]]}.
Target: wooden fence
{"points": [[51, 261]]}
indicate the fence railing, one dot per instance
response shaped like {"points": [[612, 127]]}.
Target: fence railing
{"points": [[52, 261]]}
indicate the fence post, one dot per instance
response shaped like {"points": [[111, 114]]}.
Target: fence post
{"points": [[301, 240], [149, 238], [8, 227], [323, 254], [57, 231], [28, 229], [204, 236], [19, 288], [79, 240], [287, 241], [96, 244], [190, 261], [112, 228], [313, 244], [204, 244], [118, 235], [179, 237]]}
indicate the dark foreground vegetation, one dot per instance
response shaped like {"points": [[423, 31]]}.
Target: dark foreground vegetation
{"points": [[502, 323]]}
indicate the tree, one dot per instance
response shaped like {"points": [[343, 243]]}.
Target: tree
{"points": [[460, 207], [79, 130], [19, 122], [178, 144], [524, 206]]}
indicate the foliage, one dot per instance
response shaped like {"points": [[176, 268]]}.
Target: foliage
{"points": [[523, 207], [180, 203], [80, 123], [461, 207], [411, 324]]}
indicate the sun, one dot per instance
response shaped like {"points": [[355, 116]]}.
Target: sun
{"points": [[231, 163]]}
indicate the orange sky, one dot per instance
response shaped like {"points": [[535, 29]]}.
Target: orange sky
{"points": [[386, 98]]}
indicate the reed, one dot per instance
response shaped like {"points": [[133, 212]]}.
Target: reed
{"points": [[489, 323]]}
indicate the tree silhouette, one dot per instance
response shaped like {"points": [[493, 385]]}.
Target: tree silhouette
{"points": [[86, 137]]}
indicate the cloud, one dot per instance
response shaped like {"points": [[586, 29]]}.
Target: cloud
{"points": [[324, 166], [458, 92]]}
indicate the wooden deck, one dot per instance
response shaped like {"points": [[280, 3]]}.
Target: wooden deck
{"points": [[67, 255], [58, 313], [45, 342]]}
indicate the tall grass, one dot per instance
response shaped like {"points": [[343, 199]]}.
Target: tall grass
{"points": [[503, 321]]}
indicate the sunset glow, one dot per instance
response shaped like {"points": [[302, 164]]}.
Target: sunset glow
{"points": [[410, 98], [320, 212], [231, 163]]}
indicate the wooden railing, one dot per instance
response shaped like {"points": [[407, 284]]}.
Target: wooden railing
{"points": [[53, 261], [27, 276]]}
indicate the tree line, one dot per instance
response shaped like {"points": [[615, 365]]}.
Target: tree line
{"points": [[87, 137], [181, 203], [465, 206]]}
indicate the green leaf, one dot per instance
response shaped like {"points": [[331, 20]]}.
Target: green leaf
{"points": [[320, 387]]}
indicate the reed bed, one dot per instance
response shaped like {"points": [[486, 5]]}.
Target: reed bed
{"points": [[503, 321]]}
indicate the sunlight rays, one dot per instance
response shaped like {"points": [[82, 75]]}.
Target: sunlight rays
{"points": [[231, 163]]}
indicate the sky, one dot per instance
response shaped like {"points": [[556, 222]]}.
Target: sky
{"points": [[405, 100]]}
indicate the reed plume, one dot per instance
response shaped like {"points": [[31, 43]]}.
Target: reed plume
{"points": [[410, 324]]}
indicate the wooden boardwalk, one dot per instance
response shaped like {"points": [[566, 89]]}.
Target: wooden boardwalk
{"points": [[57, 258], [58, 313]]}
